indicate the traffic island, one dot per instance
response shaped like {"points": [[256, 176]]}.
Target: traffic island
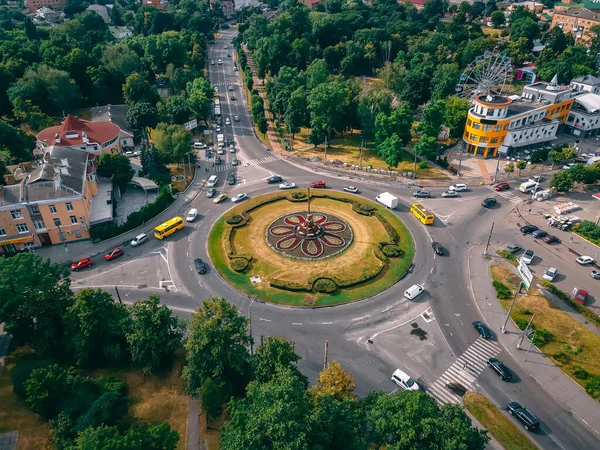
{"points": [[316, 249]]}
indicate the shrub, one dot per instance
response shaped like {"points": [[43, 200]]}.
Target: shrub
{"points": [[423, 165], [562, 358], [392, 251], [542, 337], [580, 373], [592, 387], [234, 220], [526, 312], [363, 209], [507, 255], [239, 264], [502, 292], [290, 285], [325, 285], [211, 397], [521, 323], [391, 231], [22, 371], [297, 197], [587, 313]]}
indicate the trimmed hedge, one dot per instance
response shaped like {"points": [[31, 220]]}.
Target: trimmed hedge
{"points": [[290, 285], [363, 209], [392, 251], [502, 292], [297, 197], [391, 231], [234, 220], [587, 313], [239, 264], [325, 285]]}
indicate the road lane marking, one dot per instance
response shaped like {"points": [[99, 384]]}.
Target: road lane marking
{"points": [[326, 323], [264, 320], [297, 323]]}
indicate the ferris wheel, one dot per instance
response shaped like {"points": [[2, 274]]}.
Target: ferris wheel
{"points": [[490, 73]]}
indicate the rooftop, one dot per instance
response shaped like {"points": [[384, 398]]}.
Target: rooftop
{"points": [[75, 131], [581, 13], [589, 101], [588, 79], [112, 113]]}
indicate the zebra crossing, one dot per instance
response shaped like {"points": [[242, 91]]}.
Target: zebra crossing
{"points": [[508, 195], [464, 371], [243, 163]]}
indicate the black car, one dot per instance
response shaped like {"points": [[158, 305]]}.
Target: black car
{"points": [[482, 329], [231, 180], [529, 420], [456, 388], [200, 266], [488, 202], [274, 179], [217, 160], [527, 229], [437, 248], [208, 155], [498, 366]]}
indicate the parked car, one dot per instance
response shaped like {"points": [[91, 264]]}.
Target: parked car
{"points": [[536, 178], [568, 166], [458, 187], [528, 256], [220, 198], [210, 193], [113, 254], [501, 186], [274, 179], [404, 381], [318, 185], [527, 229], [550, 274], [287, 185], [139, 240], [236, 118], [200, 266], [449, 194], [549, 239], [488, 202], [539, 234], [81, 264], [437, 248], [529, 420], [482, 329], [192, 214], [513, 248], [421, 194], [498, 366], [595, 274], [579, 295], [239, 197], [350, 189], [584, 260]]}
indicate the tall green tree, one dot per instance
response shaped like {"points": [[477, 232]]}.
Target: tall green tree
{"points": [[199, 98], [217, 346], [432, 119], [390, 150], [116, 166], [172, 141], [149, 437], [498, 18], [327, 106], [333, 381], [555, 157], [273, 354], [136, 89], [142, 115], [426, 146], [444, 81], [15, 142], [562, 181], [153, 334], [456, 113]]}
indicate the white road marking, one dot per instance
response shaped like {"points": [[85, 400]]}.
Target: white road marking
{"points": [[264, 320], [111, 286], [326, 323], [187, 253], [297, 323], [386, 309], [458, 317], [395, 326], [431, 271], [359, 318]]}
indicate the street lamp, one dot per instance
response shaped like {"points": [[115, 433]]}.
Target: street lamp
{"points": [[250, 325]]}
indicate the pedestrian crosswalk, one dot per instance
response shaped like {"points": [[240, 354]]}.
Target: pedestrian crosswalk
{"points": [[243, 163], [225, 83], [464, 371], [513, 198]]}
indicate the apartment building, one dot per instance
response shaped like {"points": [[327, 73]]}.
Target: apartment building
{"points": [[34, 5], [576, 21], [47, 202], [505, 124]]}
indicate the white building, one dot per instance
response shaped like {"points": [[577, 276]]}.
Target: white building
{"points": [[241, 4], [584, 118], [588, 83]]}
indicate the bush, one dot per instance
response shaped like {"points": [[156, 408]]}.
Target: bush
{"points": [[507, 255], [392, 251], [587, 313], [239, 264], [592, 387], [580, 373], [22, 371], [521, 323], [539, 156], [526, 312], [212, 398], [542, 337], [423, 165], [290, 286], [297, 197], [363, 209], [502, 292], [391, 231], [325, 285], [562, 358], [234, 220], [106, 410]]}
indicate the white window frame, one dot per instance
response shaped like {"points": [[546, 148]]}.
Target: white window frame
{"points": [[73, 220], [69, 206], [20, 226], [16, 214], [53, 209], [2, 232]]}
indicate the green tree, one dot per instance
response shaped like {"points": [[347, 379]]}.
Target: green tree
{"points": [[295, 113], [217, 346], [212, 398], [457, 110], [498, 18], [426, 147], [510, 167], [154, 334], [18, 144], [327, 104], [172, 141], [142, 115], [30, 114], [174, 109], [136, 89], [399, 122], [521, 164], [316, 73], [390, 151], [199, 98], [333, 381], [262, 125], [562, 181], [555, 157], [120, 59], [116, 166], [47, 388], [569, 153], [444, 81], [338, 424], [275, 414], [578, 173], [95, 328], [150, 437], [409, 419], [274, 353], [34, 296], [591, 174], [432, 118]]}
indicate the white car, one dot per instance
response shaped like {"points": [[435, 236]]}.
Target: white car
{"points": [[219, 62], [227, 121], [350, 189], [139, 239], [536, 178], [192, 214], [458, 187], [568, 166], [287, 185], [583, 260], [528, 256], [212, 62], [231, 149], [550, 274], [239, 197], [231, 88], [236, 118], [216, 88], [221, 151], [225, 46], [218, 129], [450, 194], [404, 381]]}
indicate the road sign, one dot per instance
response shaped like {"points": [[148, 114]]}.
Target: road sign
{"points": [[191, 124], [524, 274]]}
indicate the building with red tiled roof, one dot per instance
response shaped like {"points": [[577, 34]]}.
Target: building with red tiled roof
{"points": [[92, 137], [158, 4], [34, 5], [419, 4], [312, 4]]}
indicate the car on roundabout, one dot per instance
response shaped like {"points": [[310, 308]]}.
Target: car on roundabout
{"points": [[458, 187], [421, 194], [239, 197], [235, 162], [231, 179], [81, 264], [501, 187], [351, 189], [113, 254], [530, 422], [210, 193], [318, 185], [488, 202], [585, 260], [404, 381], [200, 266], [274, 179], [449, 194], [437, 248], [192, 215], [287, 185], [482, 329], [220, 198]]}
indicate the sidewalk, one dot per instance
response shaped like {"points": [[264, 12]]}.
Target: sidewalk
{"points": [[550, 377]]}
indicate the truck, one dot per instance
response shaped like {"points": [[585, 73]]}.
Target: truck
{"points": [[220, 138], [388, 200], [217, 111]]}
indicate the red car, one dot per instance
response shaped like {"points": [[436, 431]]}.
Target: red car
{"points": [[502, 186], [550, 239], [81, 264], [113, 254], [318, 185], [579, 296]]}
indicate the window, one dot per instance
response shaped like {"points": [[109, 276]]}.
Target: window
{"points": [[505, 127], [487, 128], [474, 137], [61, 236], [22, 228], [57, 222], [497, 128], [483, 139], [469, 122], [16, 214], [53, 209], [39, 224], [69, 206], [73, 219], [35, 209], [476, 125], [2, 232], [77, 233], [466, 135], [494, 140]]}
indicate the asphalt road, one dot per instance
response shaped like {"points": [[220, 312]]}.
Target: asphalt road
{"points": [[424, 337]]}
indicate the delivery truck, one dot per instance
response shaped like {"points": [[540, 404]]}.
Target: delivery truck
{"points": [[388, 200]]}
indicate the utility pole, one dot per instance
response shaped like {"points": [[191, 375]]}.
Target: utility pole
{"points": [[488, 240], [415, 167], [118, 295], [530, 345], [459, 163], [517, 292], [524, 332], [497, 169], [325, 357], [362, 142], [325, 157], [250, 325]]}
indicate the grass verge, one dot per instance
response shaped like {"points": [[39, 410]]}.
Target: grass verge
{"points": [[499, 426], [572, 346]]}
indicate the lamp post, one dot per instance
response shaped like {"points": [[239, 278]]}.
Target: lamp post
{"points": [[250, 325], [62, 237], [497, 169], [512, 304]]}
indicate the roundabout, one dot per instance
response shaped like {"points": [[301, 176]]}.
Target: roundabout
{"points": [[303, 249]]}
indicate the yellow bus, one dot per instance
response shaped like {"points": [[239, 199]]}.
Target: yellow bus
{"points": [[423, 214], [168, 228]]}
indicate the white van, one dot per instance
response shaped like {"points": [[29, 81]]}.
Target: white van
{"points": [[528, 186], [413, 291], [199, 145], [139, 239], [212, 181]]}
